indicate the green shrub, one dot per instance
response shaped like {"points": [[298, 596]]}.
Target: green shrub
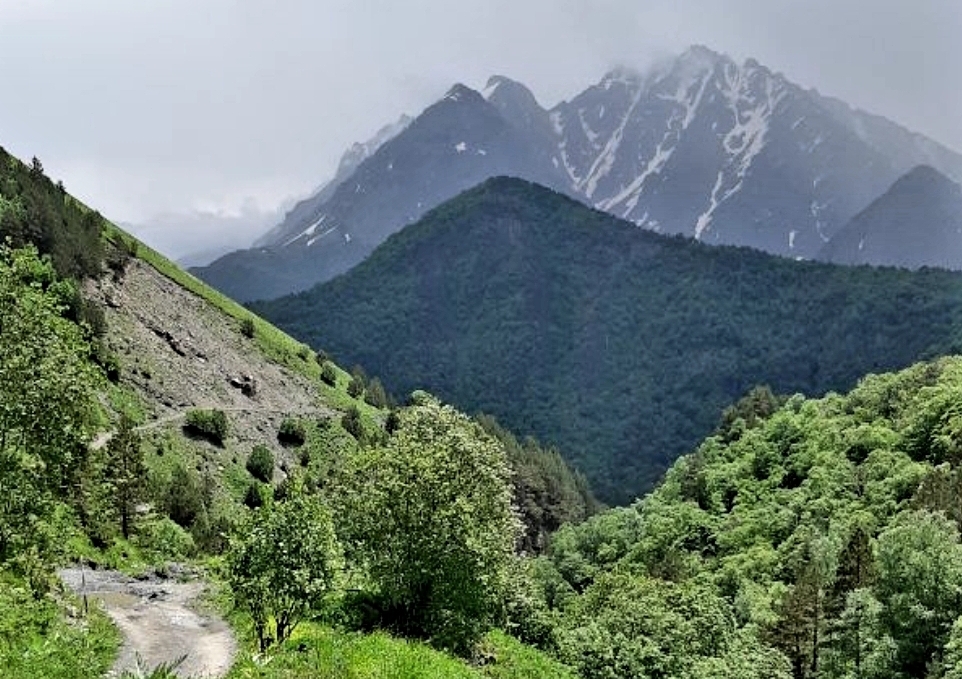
{"points": [[304, 352], [375, 394], [253, 498], [292, 433], [164, 539], [247, 327], [355, 387], [183, 500], [208, 424], [260, 464], [351, 421], [329, 375]]}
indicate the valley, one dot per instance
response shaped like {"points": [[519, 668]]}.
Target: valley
{"points": [[659, 380]]}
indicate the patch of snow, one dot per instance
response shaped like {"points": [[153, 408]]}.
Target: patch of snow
{"points": [[632, 192], [491, 87], [569, 167], [347, 237], [482, 152], [798, 122], [705, 219], [861, 243], [309, 231], [556, 123], [601, 111], [390, 166], [606, 159], [791, 239], [554, 161], [591, 134], [461, 147]]}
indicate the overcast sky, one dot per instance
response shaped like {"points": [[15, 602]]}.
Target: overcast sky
{"points": [[147, 107]]}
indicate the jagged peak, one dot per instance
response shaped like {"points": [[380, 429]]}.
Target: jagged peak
{"points": [[461, 92], [510, 96], [621, 74]]}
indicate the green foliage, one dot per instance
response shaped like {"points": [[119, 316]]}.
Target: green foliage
{"points": [[254, 496], [617, 345], [183, 501], [247, 327], [292, 432], [125, 474], [260, 463], [46, 402], [547, 492], [329, 375], [209, 424], [352, 424], [34, 211], [162, 539], [375, 395], [635, 626], [808, 545], [429, 516], [37, 640], [285, 565]]}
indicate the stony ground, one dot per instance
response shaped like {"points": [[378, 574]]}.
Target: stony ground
{"points": [[160, 620], [178, 352]]}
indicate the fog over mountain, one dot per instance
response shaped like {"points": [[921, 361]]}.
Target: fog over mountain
{"points": [[699, 145], [259, 100]]}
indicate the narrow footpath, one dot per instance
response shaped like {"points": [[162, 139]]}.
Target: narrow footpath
{"points": [[160, 622]]}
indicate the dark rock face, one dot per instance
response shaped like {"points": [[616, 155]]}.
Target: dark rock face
{"points": [[917, 222], [700, 145]]}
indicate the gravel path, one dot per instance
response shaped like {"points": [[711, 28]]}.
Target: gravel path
{"points": [[159, 621]]}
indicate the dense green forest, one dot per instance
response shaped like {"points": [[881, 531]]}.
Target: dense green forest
{"points": [[34, 210], [815, 539], [617, 345]]}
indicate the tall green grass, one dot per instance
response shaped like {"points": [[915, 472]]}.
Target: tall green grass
{"points": [[38, 640], [318, 652]]}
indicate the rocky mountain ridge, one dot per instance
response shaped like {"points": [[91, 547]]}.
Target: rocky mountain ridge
{"points": [[700, 145]]}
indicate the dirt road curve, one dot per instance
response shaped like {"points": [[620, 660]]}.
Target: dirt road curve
{"points": [[159, 622]]}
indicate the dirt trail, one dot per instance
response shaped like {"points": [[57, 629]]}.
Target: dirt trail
{"points": [[159, 621]]}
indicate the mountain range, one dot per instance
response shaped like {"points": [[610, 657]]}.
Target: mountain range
{"points": [[616, 344], [699, 145]]}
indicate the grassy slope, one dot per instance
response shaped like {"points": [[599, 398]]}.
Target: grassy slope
{"points": [[319, 652]]}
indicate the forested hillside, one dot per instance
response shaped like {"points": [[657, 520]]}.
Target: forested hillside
{"points": [[619, 346], [146, 420], [815, 539]]}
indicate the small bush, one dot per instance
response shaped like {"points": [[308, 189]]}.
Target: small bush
{"points": [[247, 327], [292, 433], [260, 464], [329, 375], [304, 352], [321, 357], [352, 423], [253, 499], [208, 424], [375, 394], [184, 499], [107, 360], [358, 382], [164, 539], [304, 456]]}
